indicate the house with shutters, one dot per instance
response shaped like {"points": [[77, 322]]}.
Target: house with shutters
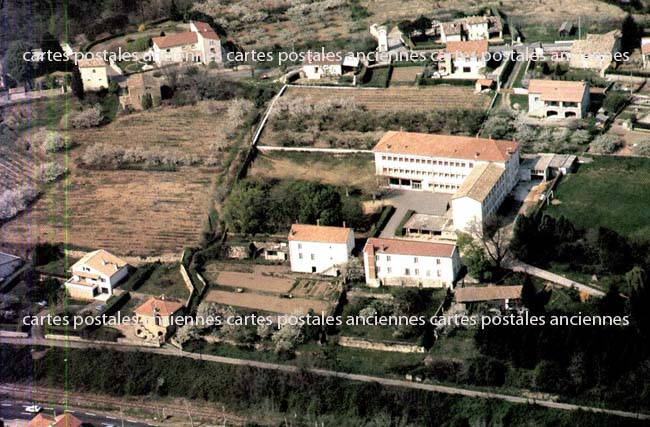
{"points": [[558, 98], [94, 73], [319, 249], [464, 59], [398, 262], [155, 318]]}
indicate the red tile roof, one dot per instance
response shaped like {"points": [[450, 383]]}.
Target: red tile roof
{"points": [[487, 293], [446, 146], [205, 30], [177, 39], [467, 48], [409, 247], [63, 420], [318, 233], [558, 90], [159, 306]]}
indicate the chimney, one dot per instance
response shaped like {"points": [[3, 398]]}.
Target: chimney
{"points": [[344, 224], [318, 222]]}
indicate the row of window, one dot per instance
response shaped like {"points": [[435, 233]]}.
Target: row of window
{"points": [[425, 173], [416, 272], [415, 259], [426, 161]]}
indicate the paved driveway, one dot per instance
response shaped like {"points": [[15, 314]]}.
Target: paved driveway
{"points": [[423, 202]]}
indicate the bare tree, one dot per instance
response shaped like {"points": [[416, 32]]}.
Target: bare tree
{"points": [[493, 237]]}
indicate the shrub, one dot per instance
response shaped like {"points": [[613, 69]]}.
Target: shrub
{"points": [[89, 117], [49, 141], [50, 172], [15, 200], [642, 148], [605, 144]]}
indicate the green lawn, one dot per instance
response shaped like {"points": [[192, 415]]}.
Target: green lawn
{"points": [[611, 192], [166, 280]]}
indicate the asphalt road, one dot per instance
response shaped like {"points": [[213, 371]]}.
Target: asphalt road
{"points": [[12, 410], [323, 372]]}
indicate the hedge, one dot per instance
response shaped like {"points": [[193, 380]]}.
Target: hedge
{"points": [[399, 231], [426, 81], [386, 213]]}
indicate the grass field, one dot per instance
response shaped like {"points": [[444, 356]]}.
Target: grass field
{"points": [[611, 192], [406, 74], [438, 97], [166, 280], [354, 170]]}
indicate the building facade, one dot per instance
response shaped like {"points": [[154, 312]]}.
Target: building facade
{"points": [[201, 45], [319, 249], [397, 262], [558, 98], [94, 73], [95, 276], [155, 318], [465, 59]]}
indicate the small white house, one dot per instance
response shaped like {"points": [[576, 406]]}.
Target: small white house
{"points": [[95, 276], [8, 265], [397, 262], [317, 65], [319, 249], [465, 59], [201, 44], [94, 73]]}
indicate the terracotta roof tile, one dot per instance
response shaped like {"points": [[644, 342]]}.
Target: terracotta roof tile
{"points": [[177, 39], [446, 146], [319, 233], [558, 90], [409, 247], [467, 48], [480, 181], [487, 293], [160, 306], [91, 63]]}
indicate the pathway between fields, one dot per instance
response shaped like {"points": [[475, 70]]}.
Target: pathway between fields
{"points": [[323, 372]]}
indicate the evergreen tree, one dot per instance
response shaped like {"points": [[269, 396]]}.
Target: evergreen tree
{"points": [[76, 84]]}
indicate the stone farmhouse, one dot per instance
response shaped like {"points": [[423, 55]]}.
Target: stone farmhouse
{"points": [[319, 249], [479, 172], [94, 73], [155, 318], [397, 262], [558, 98], [470, 28], [201, 45], [464, 59], [95, 276], [596, 51]]}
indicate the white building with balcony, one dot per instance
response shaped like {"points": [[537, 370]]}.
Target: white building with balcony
{"points": [[201, 44], [319, 249], [95, 276], [397, 262]]}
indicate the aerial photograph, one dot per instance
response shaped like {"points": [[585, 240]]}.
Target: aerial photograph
{"points": [[325, 213]]}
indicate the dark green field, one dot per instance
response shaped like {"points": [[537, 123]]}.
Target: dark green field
{"points": [[611, 192]]}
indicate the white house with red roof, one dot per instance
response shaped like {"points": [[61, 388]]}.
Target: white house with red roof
{"points": [[319, 249], [480, 172], [398, 262], [201, 45], [558, 98], [464, 59], [94, 73], [95, 275]]}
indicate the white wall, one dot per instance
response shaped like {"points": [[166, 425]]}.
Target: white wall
{"points": [[313, 71], [94, 78], [466, 212], [304, 256], [410, 270]]}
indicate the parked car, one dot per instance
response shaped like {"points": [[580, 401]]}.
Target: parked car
{"points": [[34, 409]]}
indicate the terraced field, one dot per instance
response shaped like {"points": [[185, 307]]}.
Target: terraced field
{"points": [[439, 97], [15, 169], [127, 212]]}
